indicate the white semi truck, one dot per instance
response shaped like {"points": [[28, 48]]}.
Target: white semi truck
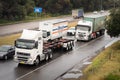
{"points": [[32, 47], [53, 29], [92, 26]]}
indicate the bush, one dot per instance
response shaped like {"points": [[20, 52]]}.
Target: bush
{"points": [[112, 77]]}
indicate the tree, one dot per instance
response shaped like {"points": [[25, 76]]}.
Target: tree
{"points": [[1, 10], [58, 6], [113, 23], [15, 9]]}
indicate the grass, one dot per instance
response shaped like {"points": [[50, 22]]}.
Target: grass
{"points": [[105, 66], [72, 23], [9, 40]]}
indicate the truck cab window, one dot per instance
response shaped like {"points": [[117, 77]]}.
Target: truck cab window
{"points": [[83, 28], [36, 44], [25, 44], [45, 34]]}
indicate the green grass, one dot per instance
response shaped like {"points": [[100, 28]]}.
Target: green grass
{"points": [[105, 66], [9, 40], [112, 76]]}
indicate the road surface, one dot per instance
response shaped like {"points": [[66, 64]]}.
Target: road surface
{"points": [[62, 62]]}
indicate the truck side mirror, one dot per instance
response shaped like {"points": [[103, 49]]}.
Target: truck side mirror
{"points": [[15, 43], [48, 33], [89, 29], [36, 44]]}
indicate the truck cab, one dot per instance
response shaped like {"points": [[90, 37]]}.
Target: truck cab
{"points": [[83, 30], [29, 48], [91, 27]]}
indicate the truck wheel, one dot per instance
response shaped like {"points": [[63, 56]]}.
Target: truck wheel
{"points": [[69, 47], [46, 57], [89, 38], [72, 43], [19, 64], [37, 61]]}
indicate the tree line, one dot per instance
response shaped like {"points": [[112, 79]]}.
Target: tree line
{"points": [[19, 9]]}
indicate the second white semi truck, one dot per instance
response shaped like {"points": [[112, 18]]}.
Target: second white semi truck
{"points": [[92, 26], [36, 45], [53, 29]]}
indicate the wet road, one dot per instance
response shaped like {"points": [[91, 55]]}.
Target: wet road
{"points": [[61, 62]]}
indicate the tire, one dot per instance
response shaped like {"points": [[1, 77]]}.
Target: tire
{"points": [[71, 46], [67, 48], [72, 43], [6, 57], [46, 57], [89, 38], [37, 61], [50, 56]]}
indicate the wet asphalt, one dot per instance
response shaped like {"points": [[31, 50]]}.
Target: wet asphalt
{"points": [[61, 62]]}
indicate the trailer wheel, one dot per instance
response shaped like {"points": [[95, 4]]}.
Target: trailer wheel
{"points": [[37, 61], [67, 48], [71, 46], [50, 55], [72, 43], [46, 57]]}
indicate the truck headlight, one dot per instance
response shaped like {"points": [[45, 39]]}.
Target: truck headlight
{"points": [[30, 59]]}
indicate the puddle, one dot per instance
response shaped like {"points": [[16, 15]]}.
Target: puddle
{"points": [[72, 75], [75, 71]]}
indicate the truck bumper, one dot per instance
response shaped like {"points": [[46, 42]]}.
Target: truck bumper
{"points": [[29, 61], [82, 38]]}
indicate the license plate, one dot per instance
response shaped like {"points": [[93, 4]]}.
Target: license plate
{"points": [[22, 62]]}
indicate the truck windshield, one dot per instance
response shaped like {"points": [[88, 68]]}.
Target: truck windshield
{"points": [[25, 44], [83, 28]]}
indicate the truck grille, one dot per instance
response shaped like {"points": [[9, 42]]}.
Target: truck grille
{"points": [[23, 56], [81, 34]]}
